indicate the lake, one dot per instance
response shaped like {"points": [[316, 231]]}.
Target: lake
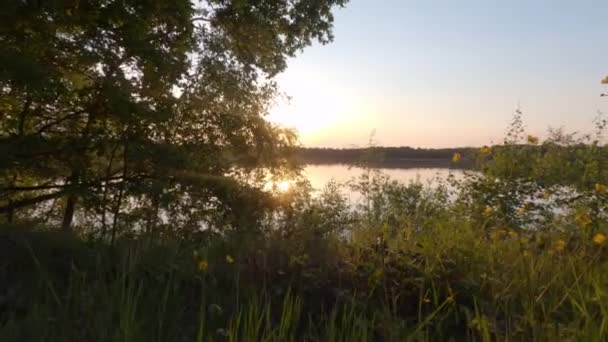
{"points": [[320, 175]]}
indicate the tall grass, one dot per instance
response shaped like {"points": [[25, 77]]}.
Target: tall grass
{"points": [[494, 261], [451, 282]]}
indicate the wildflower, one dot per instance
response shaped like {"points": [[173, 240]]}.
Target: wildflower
{"points": [[560, 245], [532, 140], [451, 295], [488, 210], [583, 219], [456, 157], [485, 150], [601, 188], [229, 259], [203, 265], [599, 238]]}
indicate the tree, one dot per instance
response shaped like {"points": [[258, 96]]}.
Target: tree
{"points": [[123, 110]]}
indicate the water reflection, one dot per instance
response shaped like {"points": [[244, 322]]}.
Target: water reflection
{"points": [[320, 175], [279, 186]]}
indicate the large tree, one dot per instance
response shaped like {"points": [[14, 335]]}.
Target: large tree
{"points": [[121, 109]]}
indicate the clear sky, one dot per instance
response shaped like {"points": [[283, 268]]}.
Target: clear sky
{"points": [[438, 73]]}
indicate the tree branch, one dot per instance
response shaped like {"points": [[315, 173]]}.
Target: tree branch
{"points": [[201, 19], [31, 201], [58, 121]]}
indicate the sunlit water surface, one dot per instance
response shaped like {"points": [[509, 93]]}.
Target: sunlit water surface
{"points": [[320, 175]]}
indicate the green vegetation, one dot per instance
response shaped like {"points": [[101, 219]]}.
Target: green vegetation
{"points": [[134, 157], [114, 113], [494, 256], [387, 157]]}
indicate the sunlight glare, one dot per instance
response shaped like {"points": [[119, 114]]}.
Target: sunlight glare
{"points": [[278, 185], [314, 107], [283, 186]]}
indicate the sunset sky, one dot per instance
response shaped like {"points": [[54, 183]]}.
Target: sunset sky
{"points": [[448, 73]]}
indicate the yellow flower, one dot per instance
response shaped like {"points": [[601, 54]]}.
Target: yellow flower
{"points": [[488, 210], [203, 265], [583, 219], [229, 259], [560, 245], [485, 150], [601, 188], [599, 238], [456, 157], [532, 140]]}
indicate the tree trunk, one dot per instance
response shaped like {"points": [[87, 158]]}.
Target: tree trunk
{"points": [[121, 191], [74, 179], [105, 192], [10, 213], [68, 214], [70, 206], [153, 215], [117, 212]]}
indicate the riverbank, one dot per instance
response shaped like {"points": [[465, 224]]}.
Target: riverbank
{"points": [[449, 282], [413, 266]]}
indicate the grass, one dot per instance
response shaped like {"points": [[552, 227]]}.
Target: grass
{"points": [[493, 262], [450, 282]]}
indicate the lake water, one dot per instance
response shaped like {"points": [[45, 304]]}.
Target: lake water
{"points": [[320, 175]]}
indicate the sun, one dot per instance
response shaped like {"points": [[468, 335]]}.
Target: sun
{"points": [[283, 186], [314, 106], [308, 116]]}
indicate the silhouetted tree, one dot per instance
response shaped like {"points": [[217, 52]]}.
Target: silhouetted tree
{"points": [[118, 110]]}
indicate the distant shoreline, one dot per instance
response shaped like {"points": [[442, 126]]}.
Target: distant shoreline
{"points": [[394, 164], [386, 157]]}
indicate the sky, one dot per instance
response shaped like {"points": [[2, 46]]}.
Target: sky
{"points": [[444, 73]]}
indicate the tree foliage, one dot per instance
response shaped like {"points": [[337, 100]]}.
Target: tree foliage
{"points": [[136, 111]]}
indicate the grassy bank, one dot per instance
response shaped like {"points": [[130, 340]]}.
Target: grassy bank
{"points": [[516, 252], [451, 282]]}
